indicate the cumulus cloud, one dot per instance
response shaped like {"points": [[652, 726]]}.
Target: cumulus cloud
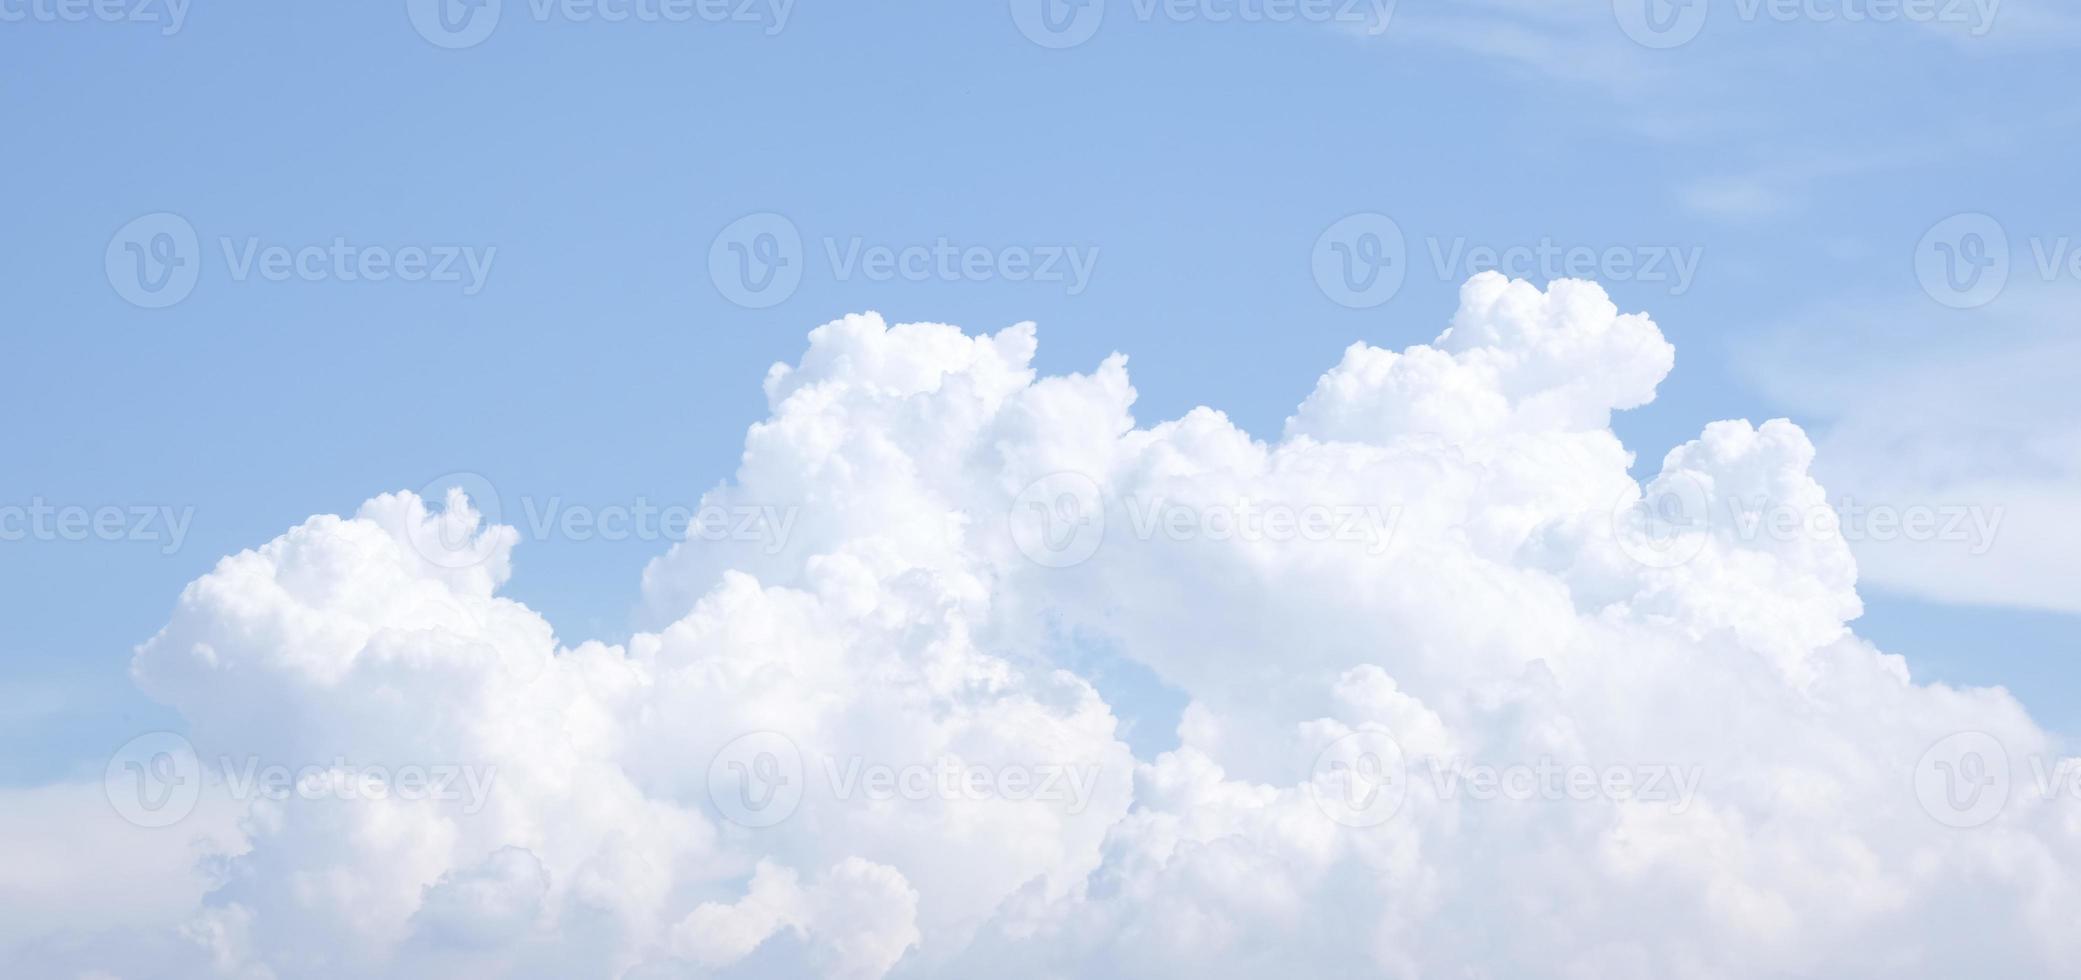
{"points": [[1463, 698], [858, 920]]}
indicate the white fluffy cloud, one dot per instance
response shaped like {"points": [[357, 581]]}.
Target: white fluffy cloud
{"points": [[1464, 699]]}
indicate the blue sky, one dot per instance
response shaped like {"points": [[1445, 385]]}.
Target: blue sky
{"points": [[1802, 160]]}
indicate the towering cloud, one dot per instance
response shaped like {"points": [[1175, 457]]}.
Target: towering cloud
{"points": [[1462, 698]]}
